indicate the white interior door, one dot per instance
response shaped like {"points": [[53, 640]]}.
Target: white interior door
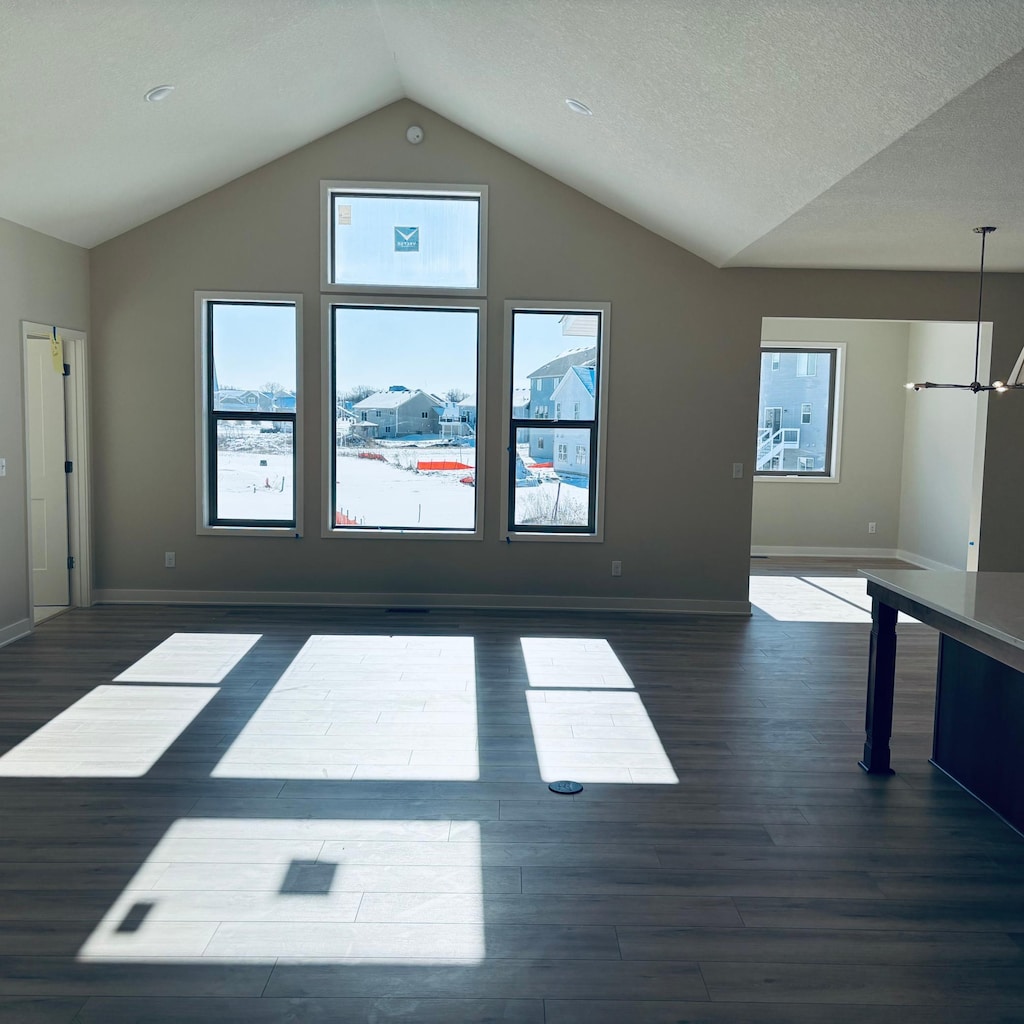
{"points": [[48, 487]]}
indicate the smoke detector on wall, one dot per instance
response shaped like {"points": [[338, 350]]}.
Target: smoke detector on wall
{"points": [[414, 133]]}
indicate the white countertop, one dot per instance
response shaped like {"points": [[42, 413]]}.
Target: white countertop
{"points": [[991, 602]]}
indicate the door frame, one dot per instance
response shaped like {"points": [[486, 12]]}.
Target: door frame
{"points": [[76, 434]]}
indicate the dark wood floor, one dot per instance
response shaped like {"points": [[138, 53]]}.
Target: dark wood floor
{"points": [[357, 829]]}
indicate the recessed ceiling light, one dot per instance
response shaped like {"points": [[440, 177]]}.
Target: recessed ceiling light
{"points": [[578, 107], [158, 93]]}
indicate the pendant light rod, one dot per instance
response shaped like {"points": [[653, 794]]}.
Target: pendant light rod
{"points": [[1013, 382], [984, 232]]}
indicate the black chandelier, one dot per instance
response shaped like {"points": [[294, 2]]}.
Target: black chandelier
{"points": [[1013, 382]]}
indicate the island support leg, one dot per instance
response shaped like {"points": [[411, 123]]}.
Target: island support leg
{"points": [[881, 679]]}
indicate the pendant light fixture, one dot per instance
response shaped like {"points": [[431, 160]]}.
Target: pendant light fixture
{"points": [[1013, 382]]}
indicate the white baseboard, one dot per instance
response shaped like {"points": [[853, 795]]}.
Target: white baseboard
{"points": [[15, 631], [926, 563], [804, 552], [514, 602]]}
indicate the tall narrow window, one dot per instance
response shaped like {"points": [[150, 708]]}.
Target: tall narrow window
{"points": [[554, 475], [405, 383], [247, 378], [796, 383]]}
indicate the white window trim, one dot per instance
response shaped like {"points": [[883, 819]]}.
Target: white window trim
{"points": [[202, 399], [390, 188], [605, 309], [327, 425], [837, 411]]}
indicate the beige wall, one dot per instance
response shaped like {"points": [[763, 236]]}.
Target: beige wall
{"points": [[685, 339], [942, 428], [816, 514], [46, 281], [674, 516]]}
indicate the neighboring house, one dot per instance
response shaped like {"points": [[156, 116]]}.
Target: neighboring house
{"points": [[573, 399], [237, 399], [520, 403], [543, 382], [795, 408], [250, 400], [458, 419], [398, 412], [283, 401]]}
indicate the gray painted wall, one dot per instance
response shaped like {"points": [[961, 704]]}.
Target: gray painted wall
{"points": [[939, 445], [822, 514], [46, 281], [546, 242], [684, 346]]}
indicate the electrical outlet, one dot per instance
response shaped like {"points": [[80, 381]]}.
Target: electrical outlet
{"points": [[168, 559], [737, 471], [616, 568], [3, 467], [872, 527]]}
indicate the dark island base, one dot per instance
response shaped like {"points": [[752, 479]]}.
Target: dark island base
{"points": [[979, 728]]}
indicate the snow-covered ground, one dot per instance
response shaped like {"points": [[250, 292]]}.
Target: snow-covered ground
{"points": [[385, 494], [391, 493], [247, 490]]}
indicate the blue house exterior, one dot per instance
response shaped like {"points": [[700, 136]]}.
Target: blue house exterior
{"points": [[543, 382], [795, 411]]}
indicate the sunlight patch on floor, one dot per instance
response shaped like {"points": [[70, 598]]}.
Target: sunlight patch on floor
{"points": [[391, 707], [568, 661], [114, 731], [589, 723], [814, 598], [310, 890], [191, 658]]}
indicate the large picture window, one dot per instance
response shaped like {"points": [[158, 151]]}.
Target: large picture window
{"points": [[404, 238], [248, 406], [557, 359], [797, 413], [404, 419]]}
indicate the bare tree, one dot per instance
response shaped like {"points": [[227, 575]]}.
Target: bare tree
{"points": [[357, 393], [455, 395]]}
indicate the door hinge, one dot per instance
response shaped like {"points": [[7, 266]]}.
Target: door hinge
{"points": [[67, 369], [68, 467], [71, 561]]}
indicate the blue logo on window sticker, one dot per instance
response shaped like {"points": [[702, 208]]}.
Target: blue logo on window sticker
{"points": [[407, 239]]}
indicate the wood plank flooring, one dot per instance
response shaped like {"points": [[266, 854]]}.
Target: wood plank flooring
{"points": [[347, 819]]}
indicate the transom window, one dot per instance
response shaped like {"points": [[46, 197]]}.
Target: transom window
{"points": [[403, 238]]}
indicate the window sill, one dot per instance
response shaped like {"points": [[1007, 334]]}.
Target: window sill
{"points": [[796, 479], [249, 531], [370, 533], [554, 538]]}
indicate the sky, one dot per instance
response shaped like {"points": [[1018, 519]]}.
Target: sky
{"points": [[254, 345]]}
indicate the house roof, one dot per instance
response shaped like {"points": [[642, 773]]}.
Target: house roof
{"points": [[392, 399], [873, 133], [587, 376], [558, 366]]}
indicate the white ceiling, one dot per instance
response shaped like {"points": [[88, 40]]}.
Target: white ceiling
{"points": [[839, 133]]}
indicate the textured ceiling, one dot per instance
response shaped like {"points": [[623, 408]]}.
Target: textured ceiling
{"points": [[846, 133]]}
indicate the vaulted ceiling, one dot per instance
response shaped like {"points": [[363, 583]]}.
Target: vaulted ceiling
{"points": [[829, 133]]}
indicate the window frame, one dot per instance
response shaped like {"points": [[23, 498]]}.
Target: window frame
{"points": [[831, 473], [597, 426], [328, 404], [206, 418], [328, 189]]}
